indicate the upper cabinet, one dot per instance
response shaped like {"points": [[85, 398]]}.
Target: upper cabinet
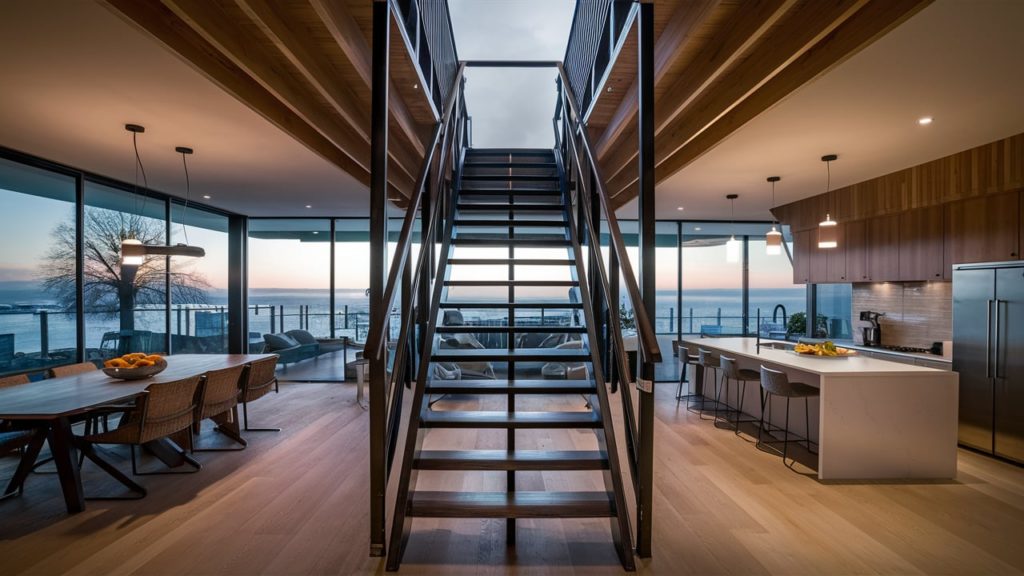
{"points": [[982, 229], [802, 257], [856, 246], [883, 255], [921, 244]]}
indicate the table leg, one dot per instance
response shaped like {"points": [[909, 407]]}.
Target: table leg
{"points": [[65, 456], [360, 378]]}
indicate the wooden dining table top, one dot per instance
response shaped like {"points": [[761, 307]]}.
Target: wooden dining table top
{"points": [[69, 395]]}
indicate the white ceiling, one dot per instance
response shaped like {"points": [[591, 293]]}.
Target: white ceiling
{"points": [[959, 61], [74, 73]]}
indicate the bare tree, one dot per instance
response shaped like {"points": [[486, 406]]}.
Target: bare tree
{"points": [[108, 287]]}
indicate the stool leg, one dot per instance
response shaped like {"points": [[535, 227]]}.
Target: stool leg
{"points": [[760, 428], [785, 434]]}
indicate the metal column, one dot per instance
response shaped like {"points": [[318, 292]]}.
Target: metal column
{"points": [[378, 270], [238, 307], [645, 122]]}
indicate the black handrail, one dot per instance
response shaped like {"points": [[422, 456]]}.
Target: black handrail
{"points": [[647, 339], [375, 339]]}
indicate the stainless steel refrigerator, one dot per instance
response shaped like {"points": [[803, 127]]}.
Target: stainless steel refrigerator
{"points": [[988, 353]]}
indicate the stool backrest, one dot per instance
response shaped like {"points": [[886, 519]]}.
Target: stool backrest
{"points": [[684, 355], [704, 356], [729, 368], [775, 382]]}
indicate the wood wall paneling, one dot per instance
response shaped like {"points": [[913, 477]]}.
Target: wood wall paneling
{"points": [[921, 244]]}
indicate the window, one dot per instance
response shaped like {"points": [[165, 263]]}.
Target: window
{"points": [[712, 286], [289, 277], [199, 304], [352, 277], [125, 306], [38, 312], [834, 304], [773, 297]]}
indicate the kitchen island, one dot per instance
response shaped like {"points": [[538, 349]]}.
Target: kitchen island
{"points": [[877, 420]]}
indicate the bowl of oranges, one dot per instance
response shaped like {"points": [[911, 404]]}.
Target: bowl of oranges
{"points": [[134, 366]]}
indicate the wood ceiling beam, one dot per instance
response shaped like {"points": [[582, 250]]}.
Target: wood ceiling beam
{"points": [[856, 31], [746, 27], [315, 67], [158, 21], [687, 19], [349, 37]]}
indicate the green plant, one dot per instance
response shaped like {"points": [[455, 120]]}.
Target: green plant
{"points": [[626, 319], [797, 325]]}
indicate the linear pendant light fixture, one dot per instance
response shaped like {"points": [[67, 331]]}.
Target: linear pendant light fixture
{"points": [[828, 233], [133, 251], [732, 247], [773, 239]]}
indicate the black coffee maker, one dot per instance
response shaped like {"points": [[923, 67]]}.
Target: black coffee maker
{"points": [[873, 333]]}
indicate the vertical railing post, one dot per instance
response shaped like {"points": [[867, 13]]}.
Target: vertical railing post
{"points": [[44, 334], [378, 269], [645, 123]]}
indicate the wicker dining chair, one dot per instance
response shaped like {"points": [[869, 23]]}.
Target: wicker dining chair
{"points": [[72, 369], [165, 409], [257, 381], [14, 380], [30, 442], [218, 401]]}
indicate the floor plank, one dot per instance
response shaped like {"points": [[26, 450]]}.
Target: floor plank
{"points": [[297, 503]]}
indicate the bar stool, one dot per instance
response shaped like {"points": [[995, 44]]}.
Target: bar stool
{"points": [[684, 362], [731, 371], [776, 383], [709, 363]]}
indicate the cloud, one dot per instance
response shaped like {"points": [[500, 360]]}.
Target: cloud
{"points": [[511, 107]]}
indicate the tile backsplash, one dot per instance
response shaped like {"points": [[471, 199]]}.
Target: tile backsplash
{"points": [[916, 313]]}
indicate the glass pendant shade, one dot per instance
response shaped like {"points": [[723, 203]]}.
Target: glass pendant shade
{"points": [[133, 258], [773, 242], [828, 233], [732, 250]]}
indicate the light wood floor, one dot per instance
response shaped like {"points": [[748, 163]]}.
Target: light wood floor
{"points": [[296, 503]]}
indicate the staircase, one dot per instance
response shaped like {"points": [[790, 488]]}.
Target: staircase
{"points": [[509, 317]]}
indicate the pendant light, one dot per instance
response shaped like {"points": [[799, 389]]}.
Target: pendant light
{"points": [[773, 239], [828, 233], [131, 247], [732, 247]]}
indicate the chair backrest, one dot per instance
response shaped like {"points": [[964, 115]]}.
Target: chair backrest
{"points": [[775, 381], [219, 391], [684, 355], [302, 336], [729, 367], [14, 380], [167, 407], [705, 356], [72, 369], [259, 378], [453, 318]]}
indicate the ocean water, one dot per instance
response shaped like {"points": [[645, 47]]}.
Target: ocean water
{"points": [[310, 309]]}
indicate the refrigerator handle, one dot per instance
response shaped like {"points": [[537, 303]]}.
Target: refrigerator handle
{"points": [[998, 339], [988, 338]]}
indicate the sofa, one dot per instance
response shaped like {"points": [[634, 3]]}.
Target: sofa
{"points": [[291, 346]]}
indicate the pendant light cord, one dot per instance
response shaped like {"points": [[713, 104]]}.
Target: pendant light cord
{"points": [[139, 167], [184, 209]]}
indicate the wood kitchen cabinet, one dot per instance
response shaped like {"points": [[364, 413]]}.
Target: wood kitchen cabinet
{"points": [[882, 248], [835, 258], [802, 257], [921, 244], [856, 242], [982, 229]]}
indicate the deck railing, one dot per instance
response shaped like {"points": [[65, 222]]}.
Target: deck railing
{"points": [[599, 28]]}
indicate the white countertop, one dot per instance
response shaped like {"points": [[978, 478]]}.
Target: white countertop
{"points": [[813, 364]]}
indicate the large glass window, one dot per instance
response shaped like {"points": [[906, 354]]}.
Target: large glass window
{"points": [[712, 284], [289, 279], [199, 303], [666, 268], [125, 306], [352, 277], [773, 296], [37, 269]]}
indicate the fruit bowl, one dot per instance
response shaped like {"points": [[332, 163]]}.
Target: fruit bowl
{"points": [[134, 366]]}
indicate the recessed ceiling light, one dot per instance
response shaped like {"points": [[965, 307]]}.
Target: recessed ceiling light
{"points": [[697, 229], [924, 120], [206, 196], [415, 86], [680, 208], [315, 232], [308, 206]]}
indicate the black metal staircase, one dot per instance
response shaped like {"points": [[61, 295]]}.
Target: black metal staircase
{"points": [[510, 203]]}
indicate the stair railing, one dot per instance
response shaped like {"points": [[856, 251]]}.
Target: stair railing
{"points": [[572, 142], [447, 146]]}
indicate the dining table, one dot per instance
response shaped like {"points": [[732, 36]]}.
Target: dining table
{"points": [[55, 404]]}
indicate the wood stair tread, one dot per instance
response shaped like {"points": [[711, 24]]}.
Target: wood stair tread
{"points": [[511, 261], [503, 355], [431, 504], [516, 420], [534, 460], [514, 387], [505, 223]]}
